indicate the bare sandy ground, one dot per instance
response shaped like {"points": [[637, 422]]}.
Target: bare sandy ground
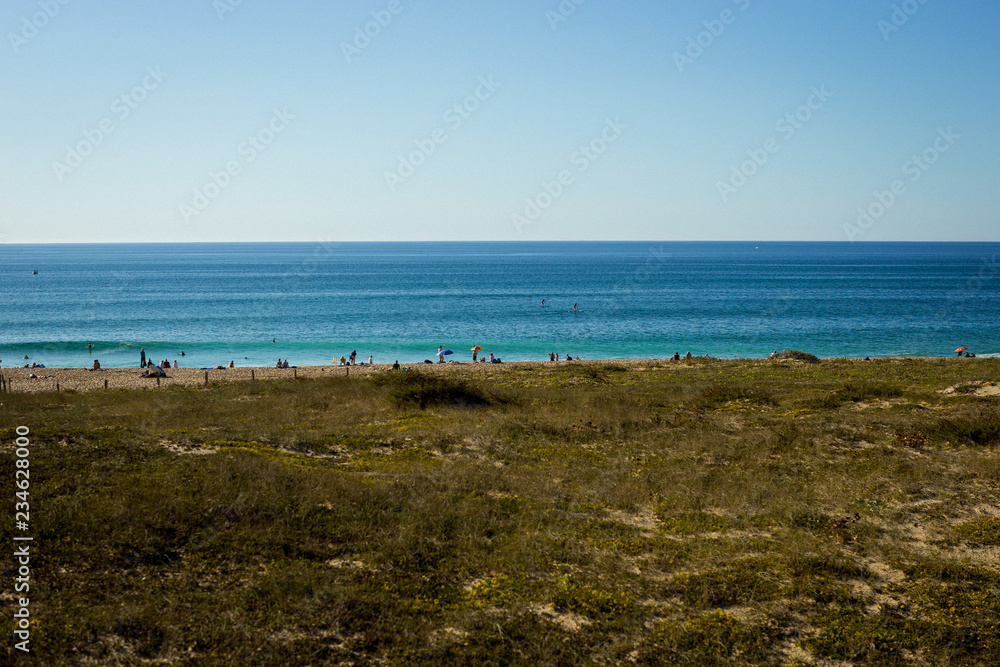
{"points": [[78, 379]]}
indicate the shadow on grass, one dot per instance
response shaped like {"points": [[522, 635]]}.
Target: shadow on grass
{"points": [[979, 427], [415, 389]]}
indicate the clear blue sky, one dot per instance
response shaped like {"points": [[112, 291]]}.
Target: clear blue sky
{"points": [[667, 120]]}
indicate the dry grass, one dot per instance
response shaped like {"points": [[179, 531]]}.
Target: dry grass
{"points": [[704, 512]]}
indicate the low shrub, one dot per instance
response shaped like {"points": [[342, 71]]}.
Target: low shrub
{"points": [[797, 355]]}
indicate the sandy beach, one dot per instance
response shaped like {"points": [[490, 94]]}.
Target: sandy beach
{"points": [[82, 379]]}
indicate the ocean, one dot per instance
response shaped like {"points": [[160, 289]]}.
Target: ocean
{"points": [[312, 302]]}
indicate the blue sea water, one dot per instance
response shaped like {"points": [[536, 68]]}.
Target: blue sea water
{"points": [[317, 301]]}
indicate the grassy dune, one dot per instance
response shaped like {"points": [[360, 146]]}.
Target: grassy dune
{"points": [[695, 513]]}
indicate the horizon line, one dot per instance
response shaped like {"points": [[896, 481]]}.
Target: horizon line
{"points": [[504, 241]]}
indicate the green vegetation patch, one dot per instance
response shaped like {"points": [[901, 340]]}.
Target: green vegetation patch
{"points": [[717, 395], [267, 452], [984, 531], [367, 521], [590, 601], [498, 590], [850, 634], [855, 392], [717, 638], [691, 523], [746, 581]]}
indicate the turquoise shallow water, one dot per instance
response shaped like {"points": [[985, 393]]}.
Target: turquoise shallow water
{"points": [[222, 302]]}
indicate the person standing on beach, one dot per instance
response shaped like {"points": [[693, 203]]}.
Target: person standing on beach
{"points": [[142, 357], [369, 360], [440, 354], [354, 356]]}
